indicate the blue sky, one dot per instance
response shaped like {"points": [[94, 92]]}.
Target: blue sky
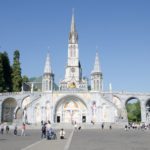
{"points": [[120, 29]]}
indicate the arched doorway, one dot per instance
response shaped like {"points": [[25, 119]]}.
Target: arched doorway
{"points": [[70, 110], [133, 108], [148, 111], [8, 107]]}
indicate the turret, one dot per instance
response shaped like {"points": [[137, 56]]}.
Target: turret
{"points": [[96, 76], [48, 76]]}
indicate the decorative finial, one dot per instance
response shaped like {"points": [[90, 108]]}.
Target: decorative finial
{"points": [[96, 48], [72, 11], [48, 49]]}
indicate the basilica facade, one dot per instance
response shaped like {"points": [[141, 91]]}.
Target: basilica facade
{"points": [[73, 101]]}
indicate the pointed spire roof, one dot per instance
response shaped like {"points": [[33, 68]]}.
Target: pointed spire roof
{"points": [[73, 27], [97, 64], [47, 68], [73, 36]]}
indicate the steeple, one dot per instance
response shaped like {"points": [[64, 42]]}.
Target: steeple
{"points": [[73, 27], [47, 68], [97, 65], [96, 76], [73, 36], [48, 76]]}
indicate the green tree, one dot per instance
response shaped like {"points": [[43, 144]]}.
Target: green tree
{"points": [[134, 111], [16, 72], [7, 72], [2, 81], [25, 79]]}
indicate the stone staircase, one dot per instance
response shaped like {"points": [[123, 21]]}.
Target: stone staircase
{"points": [[70, 126]]}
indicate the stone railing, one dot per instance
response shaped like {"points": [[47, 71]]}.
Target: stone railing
{"points": [[14, 93], [127, 93]]}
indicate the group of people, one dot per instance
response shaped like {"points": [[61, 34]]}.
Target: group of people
{"points": [[137, 126], [15, 130], [2, 129], [47, 132]]}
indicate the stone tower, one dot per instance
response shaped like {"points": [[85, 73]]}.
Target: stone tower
{"points": [[73, 71], [48, 76], [96, 76], [73, 67]]}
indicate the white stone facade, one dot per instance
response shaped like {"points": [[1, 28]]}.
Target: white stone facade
{"points": [[73, 101]]}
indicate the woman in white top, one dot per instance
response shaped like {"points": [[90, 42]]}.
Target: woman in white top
{"points": [[62, 134]]}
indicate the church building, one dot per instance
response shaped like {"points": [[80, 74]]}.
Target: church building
{"points": [[72, 102]]}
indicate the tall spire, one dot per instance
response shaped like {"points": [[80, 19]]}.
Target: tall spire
{"points": [[73, 27], [47, 68], [97, 65], [73, 36]]}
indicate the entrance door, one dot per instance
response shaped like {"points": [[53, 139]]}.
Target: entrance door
{"points": [[83, 119], [58, 119]]}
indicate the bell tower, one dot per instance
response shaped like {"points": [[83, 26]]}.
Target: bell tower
{"points": [[73, 67]]}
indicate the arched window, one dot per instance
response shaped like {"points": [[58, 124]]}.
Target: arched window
{"points": [[50, 86], [97, 84], [74, 53], [46, 85], [94, 84]]}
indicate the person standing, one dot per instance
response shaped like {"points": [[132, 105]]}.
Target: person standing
{"points": [[2, 128], [23, 130], [110, 127], [43, 131], [62, 134], [102, 126]]}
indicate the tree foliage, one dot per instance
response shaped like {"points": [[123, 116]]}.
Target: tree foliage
{"points": [[2, 81], [25, 79], [134, 111], [16, 72], [7, 70]]}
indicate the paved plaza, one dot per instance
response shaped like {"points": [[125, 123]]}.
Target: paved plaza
{"points": [[87, 139]]}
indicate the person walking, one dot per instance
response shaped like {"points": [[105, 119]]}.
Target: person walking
{"points": [[7, 129], [15, 130], [23, 130]]}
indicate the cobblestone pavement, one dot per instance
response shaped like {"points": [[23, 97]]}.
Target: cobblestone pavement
{"points": [[32, 141], [116, 139]]}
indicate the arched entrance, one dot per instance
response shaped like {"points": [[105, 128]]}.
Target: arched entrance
{"points": [[148, 111], [70, 110], [133, 108], [8, 107]]}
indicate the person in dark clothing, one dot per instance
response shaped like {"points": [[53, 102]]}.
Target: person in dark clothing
{"points": [[7, 129], [43, 131], [102, 126]]}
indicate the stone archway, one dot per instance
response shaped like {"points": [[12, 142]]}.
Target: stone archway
{"points": [[70, 109], [8, 108], [133, 107]]}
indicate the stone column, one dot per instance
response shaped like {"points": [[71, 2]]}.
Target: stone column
{"points": [[34, 114], [44, 114], [41, 108], [0, 113], [98, 114], [143, 111], [52, 115]]}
